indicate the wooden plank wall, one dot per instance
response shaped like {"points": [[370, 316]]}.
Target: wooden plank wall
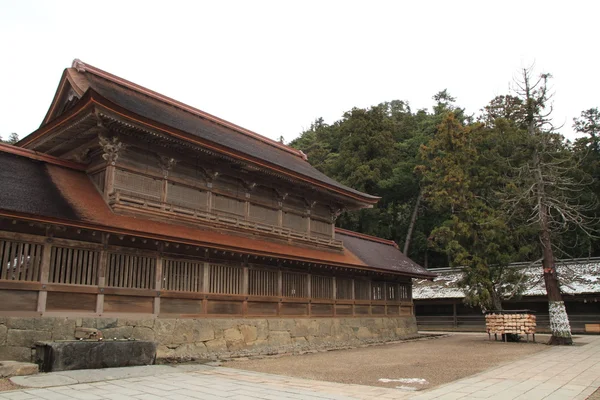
{"points": [[39, 276]]}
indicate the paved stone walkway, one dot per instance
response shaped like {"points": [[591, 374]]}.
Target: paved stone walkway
{"points": [[561, 373]]}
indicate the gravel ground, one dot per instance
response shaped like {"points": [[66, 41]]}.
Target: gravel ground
{"points": [[6, 384], [439, 360]]}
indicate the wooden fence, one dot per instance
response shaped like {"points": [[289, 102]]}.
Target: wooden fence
{"points": [[66, 277]]}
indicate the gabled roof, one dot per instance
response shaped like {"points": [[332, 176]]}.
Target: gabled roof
{"points": [[47, 189], [576, 277], [147, 106]]}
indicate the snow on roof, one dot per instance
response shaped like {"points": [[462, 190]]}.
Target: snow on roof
{"points": [[575, 277]]}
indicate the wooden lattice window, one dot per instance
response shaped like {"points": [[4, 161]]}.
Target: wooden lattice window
{"points": [[225, 279], [229, 205], [378, 291], [138, 185], [294, 222], [73, 266], [294, 284], [263, 214], [391, 291], [186, 196], [262, 282], [343, 288], [361, 290], [321, 287], [130, 271], [20, 261], [183, 276], [404, 291], [320, 228]]}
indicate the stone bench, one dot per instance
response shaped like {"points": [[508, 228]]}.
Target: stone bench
{"points": [[92, 354]]}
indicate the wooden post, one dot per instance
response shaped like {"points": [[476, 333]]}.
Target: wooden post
{"points": [[205, 286], [109, 180], [44, 274], [158, 283], [334, 294], [102, 267], [353, 297], [279, 289], [309, 292], [454, 317], [245, 287]]}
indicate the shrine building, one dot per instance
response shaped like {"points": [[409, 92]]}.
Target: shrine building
{"points": [[145, 218]]}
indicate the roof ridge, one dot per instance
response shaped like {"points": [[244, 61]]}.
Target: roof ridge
{"points": [[366, 237], [80, 66], [34, 155]]}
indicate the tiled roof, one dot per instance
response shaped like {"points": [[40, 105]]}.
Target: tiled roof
{"points": [[48, 191], [380, 253], [165, 111], [575, 276]]}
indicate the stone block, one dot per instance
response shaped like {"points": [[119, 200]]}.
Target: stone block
{"points": [[26, 338], [249, 333], [30, 323], [363, 333], [15, 353], [188, 352], [89, 322], [191, 331], [305, 327], [279, 338], [3, 334], [300, 341], [216, 345], [65, 356], [281, 324], [121, 332], [163, 329], [143, 333], [233, 335], [63, 329], [17, 368], [88, 333], [105, 323]]}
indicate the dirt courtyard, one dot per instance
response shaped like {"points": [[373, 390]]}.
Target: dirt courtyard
{"points": [[420, 364]]}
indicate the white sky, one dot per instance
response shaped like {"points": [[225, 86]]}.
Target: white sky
{"points": [[273, 67]]}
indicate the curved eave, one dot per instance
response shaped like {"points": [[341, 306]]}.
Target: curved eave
{"points": [[93, 99], [167, 238]]}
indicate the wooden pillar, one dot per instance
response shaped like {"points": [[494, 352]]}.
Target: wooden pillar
{"points": [[209, 198], [205, 286], [109, 180], [102, 268], [353, 298], [454, 316], [44, 275], [370, 297], [279, 289], [245, 286], [334, 294], [309, 293], [158, 283], [163, 193]]}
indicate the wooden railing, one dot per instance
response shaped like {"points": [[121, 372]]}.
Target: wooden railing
{"points": [[121, 200], [42, 276]]}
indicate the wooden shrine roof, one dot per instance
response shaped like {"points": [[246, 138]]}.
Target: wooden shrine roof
{"points": [[150, 106], [50, 191]]}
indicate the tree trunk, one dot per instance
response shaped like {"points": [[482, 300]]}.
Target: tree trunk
{"points": [[559, 320], [411, 226]]}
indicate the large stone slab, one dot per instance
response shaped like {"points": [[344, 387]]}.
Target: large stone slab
{"points": [[70, 355]]}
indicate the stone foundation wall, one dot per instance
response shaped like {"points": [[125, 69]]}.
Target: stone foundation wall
{"points": [[207, 338]]}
